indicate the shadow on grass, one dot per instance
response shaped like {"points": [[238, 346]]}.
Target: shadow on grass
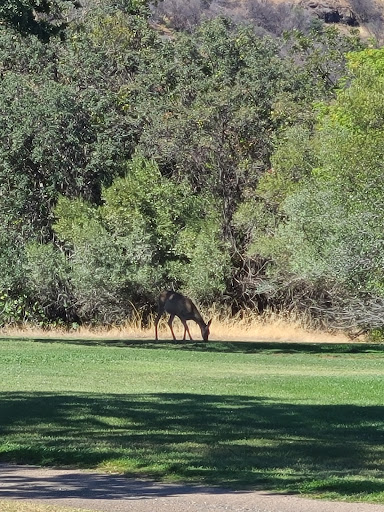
{"points": [[224, 346], [230, 441]]}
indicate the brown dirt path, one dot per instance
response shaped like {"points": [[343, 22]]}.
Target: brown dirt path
{"points": [[112, 493]]}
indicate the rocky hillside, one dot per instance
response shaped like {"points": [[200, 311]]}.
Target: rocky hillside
{"points": [[275, 16], [367, 15]]}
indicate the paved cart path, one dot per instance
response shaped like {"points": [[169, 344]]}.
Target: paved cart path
{"points": [[112, 493]]}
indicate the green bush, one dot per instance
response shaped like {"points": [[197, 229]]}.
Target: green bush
{"points": [[149, 233]]}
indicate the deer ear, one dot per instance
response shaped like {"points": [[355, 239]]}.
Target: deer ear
{"points": [[209, 323]]}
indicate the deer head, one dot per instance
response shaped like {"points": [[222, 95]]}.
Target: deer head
{"points": [[205, 331]]}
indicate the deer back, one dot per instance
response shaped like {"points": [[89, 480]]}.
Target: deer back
{"points": [[177, 304]]}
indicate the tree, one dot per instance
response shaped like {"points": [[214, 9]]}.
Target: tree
{"points": [[150, 232], [63, 130], [42, 18], [51, 142], [319, 59], [204, 102], [332, 236]]}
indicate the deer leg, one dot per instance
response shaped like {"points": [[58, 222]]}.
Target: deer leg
{"points": [[156, 322], [170, 326], [186, 329]]}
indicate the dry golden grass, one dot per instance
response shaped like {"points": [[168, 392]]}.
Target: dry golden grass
{"points": [[248, 326], [25, 506]]}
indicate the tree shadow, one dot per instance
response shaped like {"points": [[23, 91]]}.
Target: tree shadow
{"points": [[27, 484], [243, 347], [239, 442]]}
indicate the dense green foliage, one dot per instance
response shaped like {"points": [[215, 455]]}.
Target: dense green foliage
{"points": [[330, 197], [42, 18], [231, 165], [292, 418]]}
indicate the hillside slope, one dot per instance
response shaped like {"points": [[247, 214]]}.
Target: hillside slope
{"points": [[275, 16]]}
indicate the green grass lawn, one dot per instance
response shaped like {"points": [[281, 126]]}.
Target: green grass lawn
{"points": [[285, 417]]}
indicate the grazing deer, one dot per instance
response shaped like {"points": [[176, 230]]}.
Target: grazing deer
{"points": [[176, 304]]}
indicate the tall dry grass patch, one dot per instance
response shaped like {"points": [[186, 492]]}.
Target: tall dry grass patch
{"points": [[246, 326], [250, 326]]}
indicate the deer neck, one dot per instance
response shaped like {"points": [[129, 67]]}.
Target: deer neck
{"points": [[199, 320]]}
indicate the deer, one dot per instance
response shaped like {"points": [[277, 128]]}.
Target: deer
{"points": [[176, 304]]}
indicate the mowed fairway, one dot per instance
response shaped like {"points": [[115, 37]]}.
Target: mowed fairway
{"points": [[302, 418]]}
